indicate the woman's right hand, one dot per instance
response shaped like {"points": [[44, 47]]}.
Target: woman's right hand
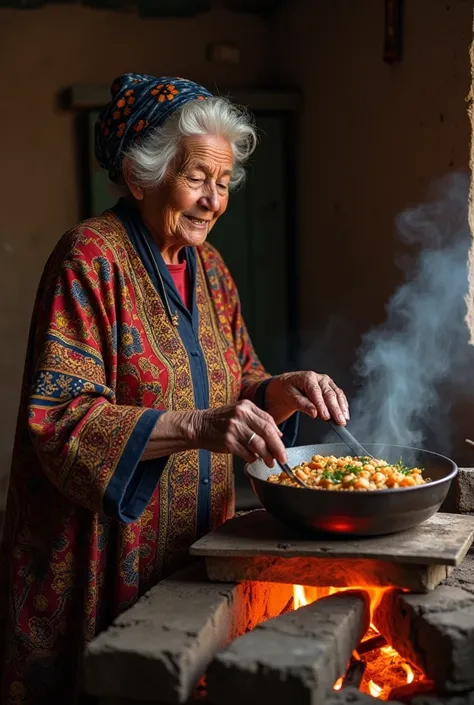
{"points": [[228, 429]]}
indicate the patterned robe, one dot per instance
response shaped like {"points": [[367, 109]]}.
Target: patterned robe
{"points": [[89, 525]]}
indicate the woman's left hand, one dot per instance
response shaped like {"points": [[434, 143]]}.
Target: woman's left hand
{"points": [[310, 392]]}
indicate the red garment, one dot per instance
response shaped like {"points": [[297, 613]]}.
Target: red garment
{"points": [[180, 278], [90, 527]]}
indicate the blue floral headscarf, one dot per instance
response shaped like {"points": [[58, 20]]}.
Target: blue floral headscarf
{"points": [[139, 104]]}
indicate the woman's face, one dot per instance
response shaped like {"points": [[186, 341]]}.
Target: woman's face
{"points": [[184, 208]]}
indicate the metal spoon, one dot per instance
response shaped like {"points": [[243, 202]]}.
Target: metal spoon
{"points": [[353, 444], [289, 472]]}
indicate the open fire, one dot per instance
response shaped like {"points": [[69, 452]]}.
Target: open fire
{"points": [[233, 619], [376, 667]]}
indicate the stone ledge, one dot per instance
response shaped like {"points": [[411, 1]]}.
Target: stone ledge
{"points": [[293, 658], [164, 643]]}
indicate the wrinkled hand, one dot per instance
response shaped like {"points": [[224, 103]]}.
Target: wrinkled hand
{"points": [[310, 392], [228, 429]]}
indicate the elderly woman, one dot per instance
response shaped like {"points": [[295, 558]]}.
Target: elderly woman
{"points": [[140, 384]]}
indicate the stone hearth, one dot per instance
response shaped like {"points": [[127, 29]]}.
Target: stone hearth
{"points": [[157, 650], [230, 616]]}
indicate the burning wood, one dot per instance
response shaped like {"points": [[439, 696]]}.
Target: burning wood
{"points": [[376, 667], [354, 674], [374, 642]]}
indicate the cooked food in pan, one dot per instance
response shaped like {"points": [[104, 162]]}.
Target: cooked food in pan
{"points": [[352, 474]]}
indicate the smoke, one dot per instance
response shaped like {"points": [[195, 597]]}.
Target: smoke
{"points": [[412, 367]]}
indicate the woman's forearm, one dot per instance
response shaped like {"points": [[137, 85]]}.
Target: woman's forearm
{"points": [[225, 429], [173, 432]]}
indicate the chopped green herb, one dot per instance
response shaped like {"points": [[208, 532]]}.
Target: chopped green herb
{"points": [[401, 467], [335, 476], [352, 468]]}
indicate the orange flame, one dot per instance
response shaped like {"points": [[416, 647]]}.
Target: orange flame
{"points": [[304, 595], [409, 671], [338, 684], [374, 689], [299, 597]]}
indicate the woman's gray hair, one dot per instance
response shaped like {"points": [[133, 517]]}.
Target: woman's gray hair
{"points": [[149, 161]]}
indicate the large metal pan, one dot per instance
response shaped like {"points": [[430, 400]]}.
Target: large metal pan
{"points": [[355, 513]]}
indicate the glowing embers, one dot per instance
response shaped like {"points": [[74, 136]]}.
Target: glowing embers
{"points": [[375, 667]]}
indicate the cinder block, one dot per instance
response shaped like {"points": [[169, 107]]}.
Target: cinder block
{"points": [[434, 631], [464, 484], [294, 658], [463, 575], [460, 499], [163, 644]]}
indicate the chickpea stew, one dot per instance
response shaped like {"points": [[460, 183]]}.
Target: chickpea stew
{"points": [[352, 474]]}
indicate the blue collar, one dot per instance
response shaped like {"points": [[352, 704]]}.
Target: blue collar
{"points": [[154, 264]]}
